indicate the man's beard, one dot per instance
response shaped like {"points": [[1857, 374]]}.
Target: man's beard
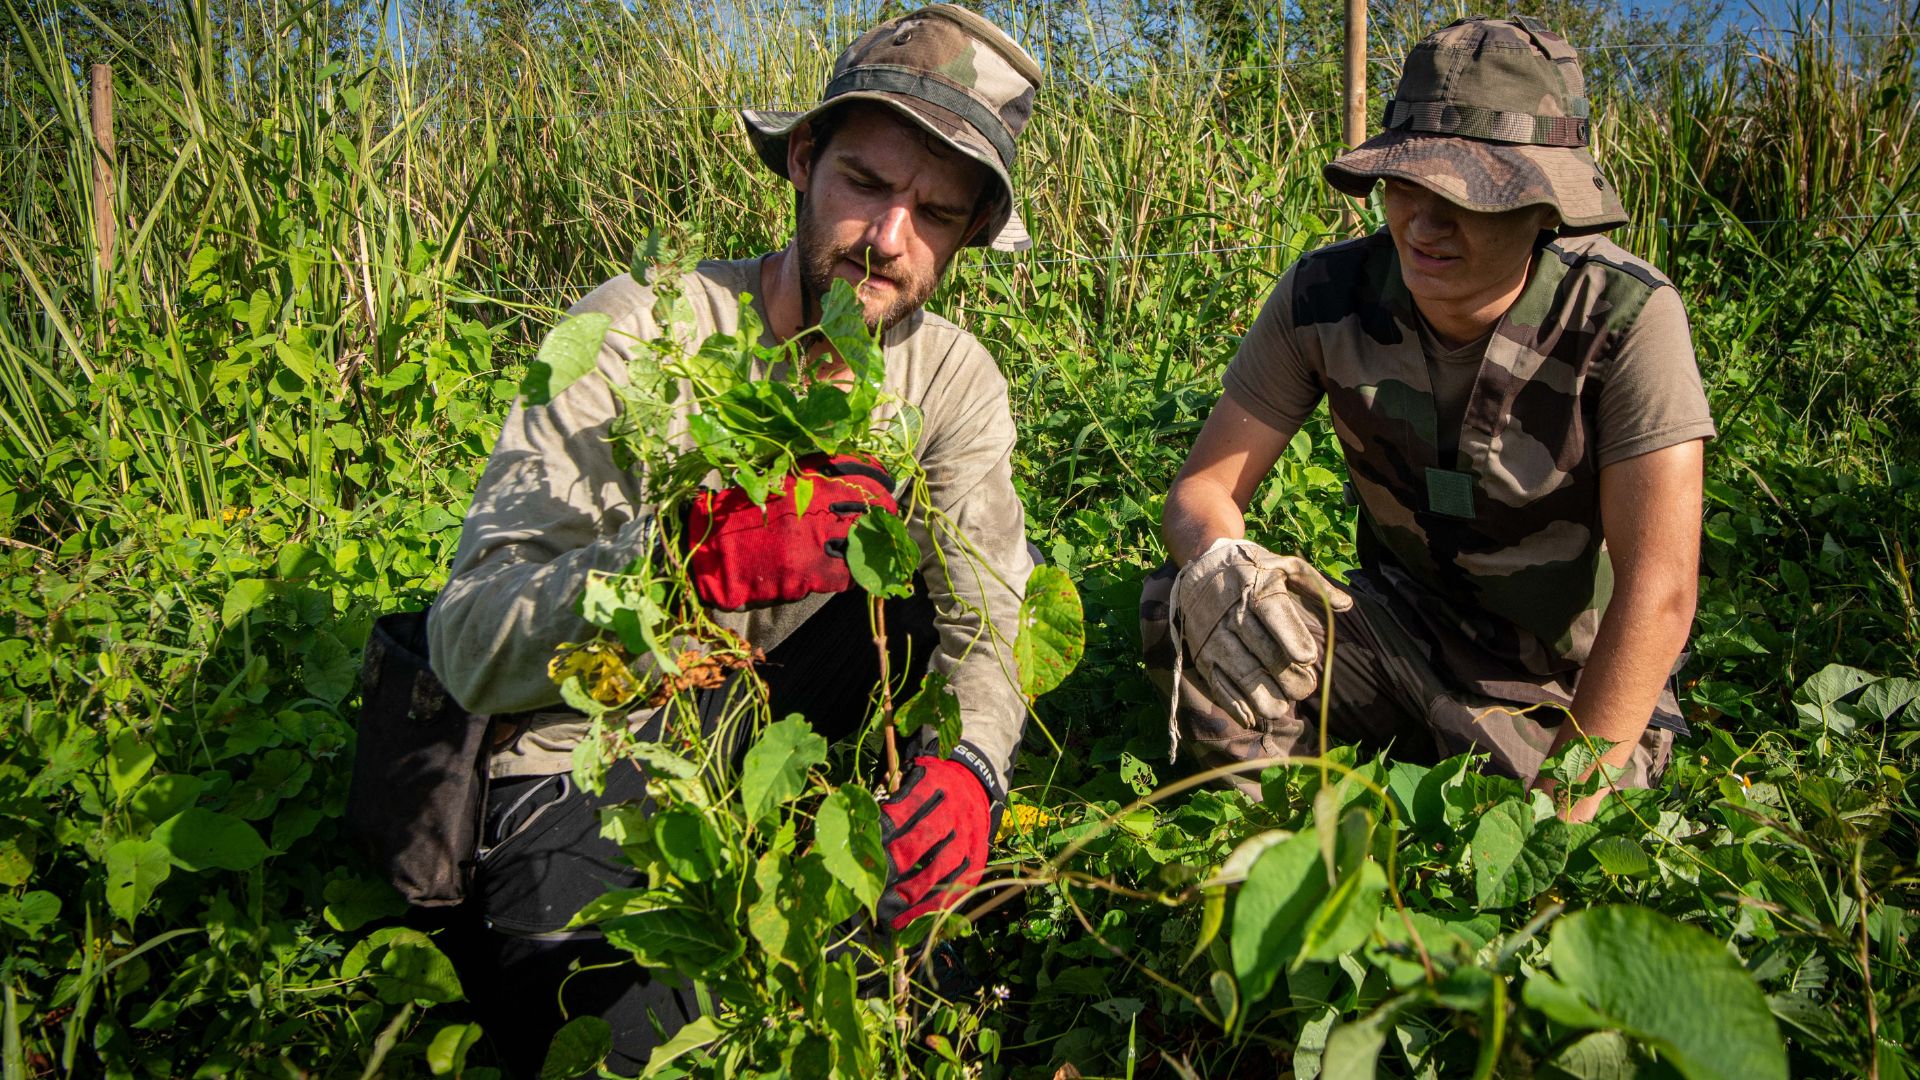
{"points": [[818, 259]]}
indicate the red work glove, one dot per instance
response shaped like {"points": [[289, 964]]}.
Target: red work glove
{"points": [[742, 555], [936, 829]]}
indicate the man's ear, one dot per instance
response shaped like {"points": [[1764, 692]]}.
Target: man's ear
{"points": [[800, 156]]}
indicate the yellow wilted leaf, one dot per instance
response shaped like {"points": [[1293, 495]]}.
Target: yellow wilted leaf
{"points": [[601, 668]]}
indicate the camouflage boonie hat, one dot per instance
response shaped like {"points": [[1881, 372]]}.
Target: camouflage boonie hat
{"points": [[947, 70], [1492, 115]]}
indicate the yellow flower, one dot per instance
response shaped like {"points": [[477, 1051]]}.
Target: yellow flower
{"points": [[1022, 818], [601, 668]]}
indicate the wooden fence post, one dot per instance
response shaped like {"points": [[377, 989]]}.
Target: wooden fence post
{"points": [[1354, 121], [101, 103]]}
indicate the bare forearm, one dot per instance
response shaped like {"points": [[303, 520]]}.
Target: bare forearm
{"points": [[1199, 511], [1639, 639]]}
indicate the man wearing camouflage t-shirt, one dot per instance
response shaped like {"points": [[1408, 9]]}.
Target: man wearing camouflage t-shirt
{"points": [[1522, 420]]}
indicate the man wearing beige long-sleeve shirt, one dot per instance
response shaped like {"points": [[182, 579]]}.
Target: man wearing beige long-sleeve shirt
{"points": [[905, 161]]}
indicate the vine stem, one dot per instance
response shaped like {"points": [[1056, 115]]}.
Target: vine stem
{"points": [[879, 609], [1866, 968], [902, 1022]]}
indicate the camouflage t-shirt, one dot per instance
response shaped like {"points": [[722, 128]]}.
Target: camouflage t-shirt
{"points": [[1652, 397], [1477, 469]]}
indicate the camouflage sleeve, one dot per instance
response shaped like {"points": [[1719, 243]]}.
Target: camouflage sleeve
{"points": [[1270, 376], [550, 507], [1650, 395]]}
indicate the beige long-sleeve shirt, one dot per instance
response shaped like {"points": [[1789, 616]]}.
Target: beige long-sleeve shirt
{"points": [[552, 507]]}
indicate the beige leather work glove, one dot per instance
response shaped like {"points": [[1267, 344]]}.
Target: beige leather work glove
{"points": [[1246, 617]]}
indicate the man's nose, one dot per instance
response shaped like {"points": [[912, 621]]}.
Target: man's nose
{"points": [[887, 233], [1432, 217]]}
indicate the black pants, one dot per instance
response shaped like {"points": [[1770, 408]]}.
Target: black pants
{"points": [[542, 857]]}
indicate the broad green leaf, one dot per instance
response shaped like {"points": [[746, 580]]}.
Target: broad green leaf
{"points": [[1512, 859], [30, 911], [1234, 870], [776, 767], [843, 320], [1575, 760], [129, 759], [615, 903], [242, 596], [328, 669], [134, 869], [197, 839], [1226, 997], [411, 967], [1631, 968], [881, 556], [164, 796], [1284, 886], [1620, 856], [799, 901], [18, 850], [1353, 1049], [1434, 814], [354, 902], [570, 351], [589, 758], [1831, 683], [447, 1053], [687, 844], [677, 937], [204, 261], [414, 969], [848, 831], [662, 762], [578, 1048], [840, 1004], [1052, 631], [1603, 1055], [1885, 699], [936, 706], [278, 774], [1344, 919], [690, 1037]]}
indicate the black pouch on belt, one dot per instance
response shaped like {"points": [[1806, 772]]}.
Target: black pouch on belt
{"points": [[419, 768]]}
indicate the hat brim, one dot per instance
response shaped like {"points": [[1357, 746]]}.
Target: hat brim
{"points": [[769, 132], [1485, 176]]}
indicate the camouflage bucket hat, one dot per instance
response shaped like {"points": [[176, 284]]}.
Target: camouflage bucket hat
{"points": [[947, 70], [1492, 115]]}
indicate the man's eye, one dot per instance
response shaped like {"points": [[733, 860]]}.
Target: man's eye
{"points": [[863, 185]]}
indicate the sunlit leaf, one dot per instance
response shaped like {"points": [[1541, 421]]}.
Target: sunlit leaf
{"points": [[1052, 631], [881, 556], [570, 351], [848, 827], [935, 706], [1630, 968], [776, 767]]}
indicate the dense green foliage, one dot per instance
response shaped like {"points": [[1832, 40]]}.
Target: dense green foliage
{"points": [[254, 430]]}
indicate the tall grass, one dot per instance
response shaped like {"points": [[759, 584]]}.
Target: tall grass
{"points": [[346, 175]]}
